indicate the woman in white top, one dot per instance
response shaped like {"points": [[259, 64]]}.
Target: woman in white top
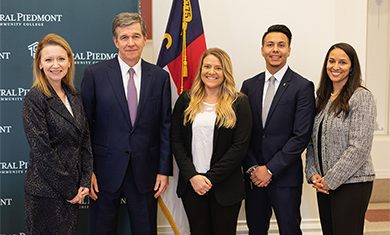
{"points": [[211, 127]]}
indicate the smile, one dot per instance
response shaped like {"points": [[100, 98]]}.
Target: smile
{"points": [[56, 71], [211, 78]]}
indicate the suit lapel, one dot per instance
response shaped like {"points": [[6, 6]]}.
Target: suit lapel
{"points": [[284, 84], [77, 108], [115, 77], [60, 108], [146, 86], [259, 96]]}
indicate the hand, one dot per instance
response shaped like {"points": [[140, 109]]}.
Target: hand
{"points": [[201, 184], [94, 188], [82, 192], [161, 185], [319, 184], [260, 177]]}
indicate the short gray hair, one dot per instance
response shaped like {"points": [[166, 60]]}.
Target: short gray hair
{"points": [[125, 19]]}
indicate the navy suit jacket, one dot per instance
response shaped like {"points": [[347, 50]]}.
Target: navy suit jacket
{"points": [[288, 128], [115, 141]]}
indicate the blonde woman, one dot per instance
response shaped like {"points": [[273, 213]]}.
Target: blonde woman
{"points": [[56, 127], [211, 127]]}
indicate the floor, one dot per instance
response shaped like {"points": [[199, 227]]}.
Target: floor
{"points": [[378, 219]]}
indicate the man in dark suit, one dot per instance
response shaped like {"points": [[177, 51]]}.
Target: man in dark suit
{"points": [[128, 105], [283, 109]]}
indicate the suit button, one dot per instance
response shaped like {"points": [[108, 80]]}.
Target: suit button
{"points": [[127, 152], [132, 134], [263, 136]]}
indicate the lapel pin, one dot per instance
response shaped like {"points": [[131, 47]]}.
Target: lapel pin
{"points": [[284, 84]]}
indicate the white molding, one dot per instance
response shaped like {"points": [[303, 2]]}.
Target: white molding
{"points": [[308, 226]]}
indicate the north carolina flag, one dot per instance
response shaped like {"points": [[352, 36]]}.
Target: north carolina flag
{"points": [[181, 49]]}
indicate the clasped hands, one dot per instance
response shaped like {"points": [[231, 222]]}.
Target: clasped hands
{"points": [[201, 184], [319, 184], [260, 177], [80, 196]]}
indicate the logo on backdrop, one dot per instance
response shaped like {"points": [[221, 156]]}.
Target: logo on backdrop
{"points": [[5, 129], [5, 55], [84, 205], [32, 48], [13, 168], [28, 20], [13, 94], [82, 58], [5, 201]]}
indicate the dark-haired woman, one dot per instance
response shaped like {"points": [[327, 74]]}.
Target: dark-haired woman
{"points": [[338, 160]]}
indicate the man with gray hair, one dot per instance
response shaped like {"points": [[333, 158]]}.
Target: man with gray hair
{"points": [[128, 105]]}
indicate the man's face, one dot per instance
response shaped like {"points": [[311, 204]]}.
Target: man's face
{"points": [[130, 43], [275, 51]]}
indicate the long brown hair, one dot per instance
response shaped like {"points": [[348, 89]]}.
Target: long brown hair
{"points": [[340, 104]]}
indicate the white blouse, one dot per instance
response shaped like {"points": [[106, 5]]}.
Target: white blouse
{"points": [[67, 104], [202, 137]]}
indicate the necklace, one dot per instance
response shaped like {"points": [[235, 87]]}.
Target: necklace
{"points": [[335, 94]]}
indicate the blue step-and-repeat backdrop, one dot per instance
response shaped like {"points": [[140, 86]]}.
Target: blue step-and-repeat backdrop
{"points": [[86, 25]]}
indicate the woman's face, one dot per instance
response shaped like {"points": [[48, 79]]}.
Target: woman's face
{"points": [[212, 72], [338, 66], [54, 63]]}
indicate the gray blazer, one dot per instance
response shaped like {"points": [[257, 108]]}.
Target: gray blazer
{"points": [[346, 144], [61, 156]]}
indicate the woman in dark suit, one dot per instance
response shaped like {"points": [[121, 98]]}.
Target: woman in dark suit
{"points": [[60, 167], [211, 126]]}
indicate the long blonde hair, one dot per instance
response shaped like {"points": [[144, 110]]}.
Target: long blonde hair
{"points": [[40, 80], [227, 95]]}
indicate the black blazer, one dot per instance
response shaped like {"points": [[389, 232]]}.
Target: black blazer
{"points": [[60, 156], [229, 149]]}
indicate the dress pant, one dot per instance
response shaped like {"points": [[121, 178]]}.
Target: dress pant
{"points": [[285, 202], [142, 209], [206, 216], [342, 211]]}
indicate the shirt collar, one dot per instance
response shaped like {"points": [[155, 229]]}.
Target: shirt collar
{"points": [[125, 67], [278, 75]]}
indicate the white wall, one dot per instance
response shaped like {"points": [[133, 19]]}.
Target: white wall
{"points": [[237, 27]]}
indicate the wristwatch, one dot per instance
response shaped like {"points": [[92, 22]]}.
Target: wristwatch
{"points": [[269, 172]]}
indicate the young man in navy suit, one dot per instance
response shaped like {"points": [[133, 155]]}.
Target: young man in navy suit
{"points": [[283, 109], [128, 105]]}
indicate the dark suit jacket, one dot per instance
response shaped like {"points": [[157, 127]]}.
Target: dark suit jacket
{"points": [[114, 140], [280, 143], [229, 148], [60, 156]]}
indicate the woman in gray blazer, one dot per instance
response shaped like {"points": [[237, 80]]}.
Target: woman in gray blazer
{"points": [[338, 160], [56, 127]]}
